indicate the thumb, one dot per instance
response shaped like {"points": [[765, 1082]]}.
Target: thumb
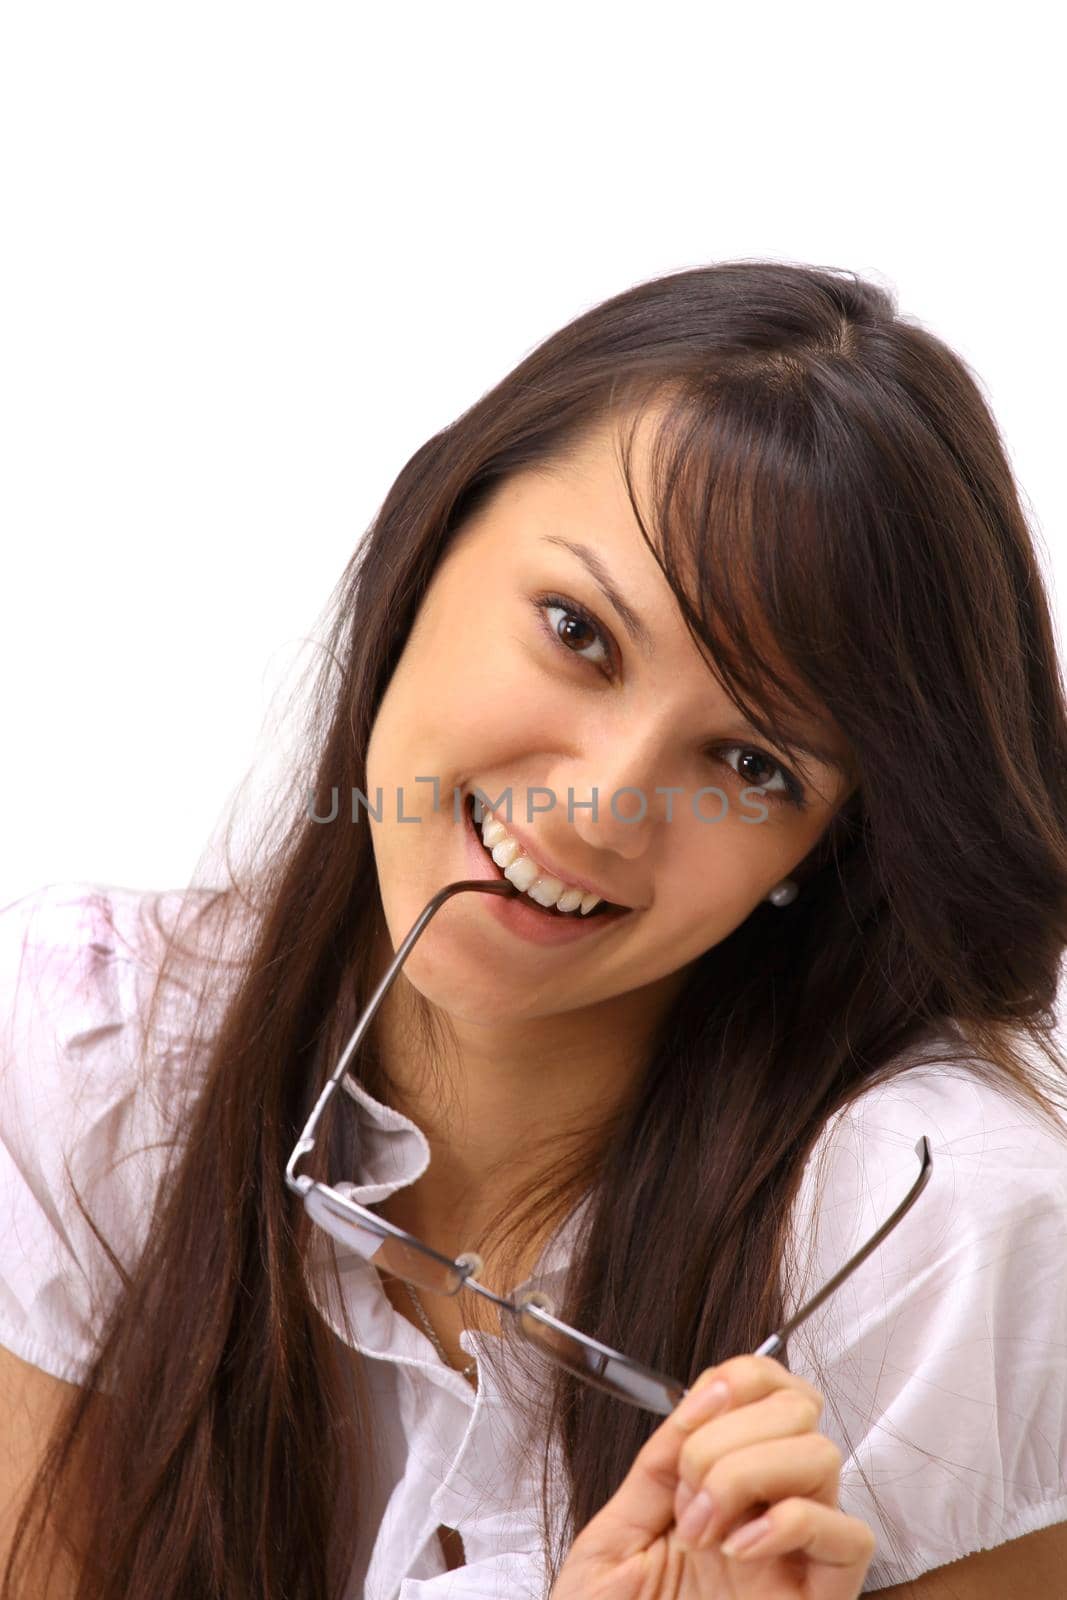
{"points": [[642, 1508]]}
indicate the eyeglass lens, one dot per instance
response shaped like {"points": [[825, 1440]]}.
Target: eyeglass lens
{"points": [[382, 1249], [606, 1371], [413, 1262]]}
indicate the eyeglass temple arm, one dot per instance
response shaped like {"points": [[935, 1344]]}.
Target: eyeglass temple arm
{"points": [[776, 1341], [306, 1142]]}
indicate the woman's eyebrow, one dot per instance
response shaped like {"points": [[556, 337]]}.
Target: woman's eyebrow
{"points": [[600, 575], [806, 739]]}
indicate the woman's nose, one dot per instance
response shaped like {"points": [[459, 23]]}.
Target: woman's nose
{"points": [[625, 815], [628, 777]]}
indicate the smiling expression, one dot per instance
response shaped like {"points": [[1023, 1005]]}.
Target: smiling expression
{"points": [[548, 653]]}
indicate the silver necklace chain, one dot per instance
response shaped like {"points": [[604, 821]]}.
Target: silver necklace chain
{"points": [[471, 1368]]}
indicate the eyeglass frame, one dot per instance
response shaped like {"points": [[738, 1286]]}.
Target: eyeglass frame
{"points": [[536, 1304]]}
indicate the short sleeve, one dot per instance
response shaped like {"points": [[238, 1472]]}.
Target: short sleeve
{"points": [[943, 1357], [68, 994]]}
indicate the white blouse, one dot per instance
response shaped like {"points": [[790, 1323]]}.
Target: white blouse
{"points": [[943, 1358]]}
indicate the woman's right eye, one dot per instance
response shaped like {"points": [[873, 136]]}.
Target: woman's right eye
{"points": [[569, 626]]}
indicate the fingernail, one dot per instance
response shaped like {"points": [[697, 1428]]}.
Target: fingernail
{"points": [[745, 1537], [683, 1496], [701, 1405], [697, 1517]]}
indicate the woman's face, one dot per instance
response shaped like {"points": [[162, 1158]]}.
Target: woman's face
{"points": [[521, 675]]}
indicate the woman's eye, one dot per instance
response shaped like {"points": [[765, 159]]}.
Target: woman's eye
{"points": [[570, 627], [789, 788], [576, 632]]}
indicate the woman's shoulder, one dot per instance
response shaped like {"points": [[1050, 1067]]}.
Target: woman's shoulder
{"points": [[942, 1355], [997, 1181], [78, 963], [58, 945], [999, 1163], [982, 1126], [79, 957]]}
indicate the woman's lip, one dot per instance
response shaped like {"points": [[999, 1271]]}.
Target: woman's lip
{"points": [[518, 914], [550, 867]]}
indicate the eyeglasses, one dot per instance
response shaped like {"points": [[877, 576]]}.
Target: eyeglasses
{"points": [[404, 1256]]}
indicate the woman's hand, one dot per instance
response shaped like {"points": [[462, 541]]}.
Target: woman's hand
{"points": [[752, 1450]]}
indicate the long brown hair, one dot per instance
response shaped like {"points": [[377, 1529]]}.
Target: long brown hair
{"points": [[828, 476]]}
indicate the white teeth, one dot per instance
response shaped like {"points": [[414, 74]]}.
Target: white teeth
{"points": [[526, 874], [521, 872], [505, 852], [546, 891]]}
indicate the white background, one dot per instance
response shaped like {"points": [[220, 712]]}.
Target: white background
{"points": [[253, 256]]}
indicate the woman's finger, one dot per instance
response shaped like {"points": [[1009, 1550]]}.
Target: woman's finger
{"points": [[776, 1416], [807, 1465], [802, 1527], [642, 1508]]}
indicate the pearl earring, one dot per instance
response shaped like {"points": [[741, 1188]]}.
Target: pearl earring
{"points": [[784, 893]]}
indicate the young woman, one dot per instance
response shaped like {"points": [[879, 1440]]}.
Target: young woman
{"points": [[720, 609]]}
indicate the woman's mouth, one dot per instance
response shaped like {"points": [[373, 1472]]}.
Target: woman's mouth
{"points": [[507, 860]]}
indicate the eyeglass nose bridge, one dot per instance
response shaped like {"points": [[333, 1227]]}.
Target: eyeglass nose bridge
{"points": [[471, 1263]]}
